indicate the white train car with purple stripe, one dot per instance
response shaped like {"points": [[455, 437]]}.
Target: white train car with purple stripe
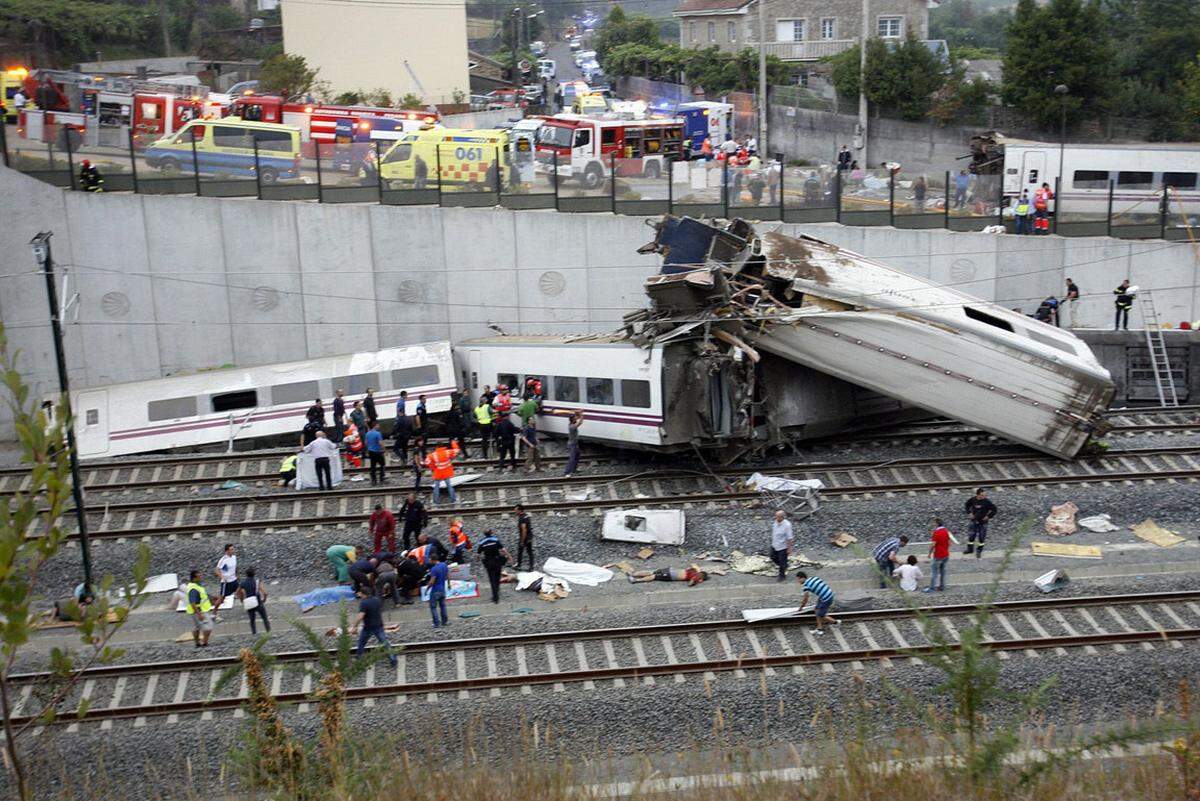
{"points": [[219, 406]]}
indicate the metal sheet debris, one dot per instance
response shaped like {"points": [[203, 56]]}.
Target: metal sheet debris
{"points": [[1069, 551], [760, 565], [657, 526], [1150, 531], [1052, 581], [797, 497]]}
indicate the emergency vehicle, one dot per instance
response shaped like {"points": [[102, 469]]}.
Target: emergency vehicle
{"points": [[583, 147], [355, 139], [229, 147], [318, 122], [11, 80], [702, 119], [590, 103], [457, 157]]}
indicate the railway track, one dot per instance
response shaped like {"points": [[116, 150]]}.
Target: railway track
{"points": [[640, 655], [194, 470], [850, 480]]}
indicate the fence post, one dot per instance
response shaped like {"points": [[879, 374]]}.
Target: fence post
{"points": [[781, 204], [1000, 202], [725, 186], [4, 140], [1108, 215], [437, 163], [1162, 215], [671, 185], [946, 205], [1057, 202], [837, 196], [257, 173], [499, 176], [555, 181], [70, 156], [320, 179], [612, 181], [378, 172], [195, 163], [133, 161], [891, 198]]}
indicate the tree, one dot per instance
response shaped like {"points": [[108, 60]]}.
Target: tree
{"points": [[61, 31], [31, 535], [1190, 94], [617, 29], [287, 76], [961, 24], [1065, 42]]}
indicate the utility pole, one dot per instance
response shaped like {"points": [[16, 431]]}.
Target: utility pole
{"points": [[41, 252], [762, 79], [862, 79]]}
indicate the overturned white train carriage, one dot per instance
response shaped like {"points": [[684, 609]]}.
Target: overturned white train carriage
{"points": [[845, 315]]}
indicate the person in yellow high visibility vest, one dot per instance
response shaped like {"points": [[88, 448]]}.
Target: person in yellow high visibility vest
{"points": [[483, 419], [1021, 213], [287, 469], [200, 608]]}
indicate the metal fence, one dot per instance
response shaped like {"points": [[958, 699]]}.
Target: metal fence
{"points": [[489, 176]]}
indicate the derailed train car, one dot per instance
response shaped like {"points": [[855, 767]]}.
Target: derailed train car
{"points": [[842, 314]]}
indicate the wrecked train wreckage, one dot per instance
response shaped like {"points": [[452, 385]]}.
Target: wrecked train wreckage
{"points": [[803, 302]]}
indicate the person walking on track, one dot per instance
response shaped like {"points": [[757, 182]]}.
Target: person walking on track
{"points": [[981, 510]]}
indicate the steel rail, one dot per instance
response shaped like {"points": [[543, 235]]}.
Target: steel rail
{"points": [[631, 673], [649, 630]]}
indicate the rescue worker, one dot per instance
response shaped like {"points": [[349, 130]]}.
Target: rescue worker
{"points": [[1041, 209], [401, 433], [1124, 303], [1021, 214], [414, 516], [460, 542], [494, 557], [502, 404], [382, 527], [287, 469], [340, 557], [339, 411], [200, 608], [706, 149], [441, 468], [483, 421], [1072, 299], [524, 536], [90, 179], [354, 446], [369, 407], [981, 511], [410, 574]]}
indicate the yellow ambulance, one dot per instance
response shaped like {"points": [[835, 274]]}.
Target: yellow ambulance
{"points": [[460, 158]]}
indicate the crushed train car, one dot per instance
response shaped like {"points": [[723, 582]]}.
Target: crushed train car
{"points": [[814, 304]]}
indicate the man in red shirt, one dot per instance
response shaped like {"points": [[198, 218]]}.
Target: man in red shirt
{"points": [[382, 525], [939, 554]]}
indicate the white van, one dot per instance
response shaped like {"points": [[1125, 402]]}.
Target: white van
{"points": [[547, 68]]}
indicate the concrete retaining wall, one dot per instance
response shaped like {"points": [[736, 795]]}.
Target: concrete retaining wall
{"points": [[175, 284]]}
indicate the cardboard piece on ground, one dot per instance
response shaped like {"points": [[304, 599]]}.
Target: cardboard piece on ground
{"points": [[1061, 520], [654, 526], [645, 553], [843, 538], [1069, 551], [623, 566], [1150, 531], [185, 637], [1098, 523]]}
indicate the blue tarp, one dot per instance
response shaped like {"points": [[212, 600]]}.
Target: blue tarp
{"points": [[322, 596]]}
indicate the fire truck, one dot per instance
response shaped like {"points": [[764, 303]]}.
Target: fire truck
{"points": [[318, 122], [583, 148]]}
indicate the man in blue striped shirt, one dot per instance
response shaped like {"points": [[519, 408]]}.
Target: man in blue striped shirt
{"points": [[887, 557], [824, 595]]}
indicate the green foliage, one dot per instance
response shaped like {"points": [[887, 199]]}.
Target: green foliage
{"points": [[411, 101], [61, 31], [717, 72], [1190, 91], [286, 75], [31, 534], [963, 24], [1064, 42], [618, 29]]}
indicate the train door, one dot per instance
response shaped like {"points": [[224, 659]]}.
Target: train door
{"points": [[474, 360], [720, 403], [1034, 170], [91, 424]]}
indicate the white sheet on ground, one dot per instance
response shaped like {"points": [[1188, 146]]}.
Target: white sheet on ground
{"points": [[1098, 523], [576, 572], [163, 582], [764, 483], [770, 613]]}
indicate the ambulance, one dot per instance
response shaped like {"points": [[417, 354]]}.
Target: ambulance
{"points": [[591, 103], [11, 80], [458, 158]]}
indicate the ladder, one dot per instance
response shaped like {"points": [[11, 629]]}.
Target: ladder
{"points": [[1158, 352]]}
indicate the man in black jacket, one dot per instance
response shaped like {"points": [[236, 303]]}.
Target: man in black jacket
{"points": [[414, 516], [981, 510], [1124, 303], [369, 407], [506, 441]]}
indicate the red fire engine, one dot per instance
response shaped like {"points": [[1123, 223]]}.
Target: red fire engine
{"points": [[318, 122], [584, 147]]}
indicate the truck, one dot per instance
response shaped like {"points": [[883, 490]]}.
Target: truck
{"points": [[704, 119], [318, 121], [573, 147]]}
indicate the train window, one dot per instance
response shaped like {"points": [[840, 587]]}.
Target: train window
{"points": [[171, 409], [984, 317], [566, 388], [1050, 341], [299, 392], [525, 380], [600, 391], [506, 380], [229, 401], [93, 417], [635, 394], [1179, 180], [357, 384], [1090, 179], [424, 376], [1135, 180]]}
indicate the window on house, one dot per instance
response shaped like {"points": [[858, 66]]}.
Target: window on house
{"points": [[789, 30], [829, 28], [712, 31], [692, 31], [731, 28], [891, 27]]}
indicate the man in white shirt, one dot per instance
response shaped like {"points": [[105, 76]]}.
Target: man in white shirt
{"points": [[227, 574], [751, 145], [19, 100], [730, 146], [322, 450], [781, 542], [909, 574]]}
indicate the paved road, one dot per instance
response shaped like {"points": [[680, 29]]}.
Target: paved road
{"points": [[565, 61]]}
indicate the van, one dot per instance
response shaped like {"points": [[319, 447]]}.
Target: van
{"points": [[227, 146], [547, 68], [460, 158], [590, 104]]}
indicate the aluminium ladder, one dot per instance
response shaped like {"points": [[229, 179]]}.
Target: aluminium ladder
{"points": [[1158, 353]]}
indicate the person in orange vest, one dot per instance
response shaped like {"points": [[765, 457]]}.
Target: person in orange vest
{"points": [[441, 467], [1041, 208], [354, 446], [460, 541], [706, 149]]}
